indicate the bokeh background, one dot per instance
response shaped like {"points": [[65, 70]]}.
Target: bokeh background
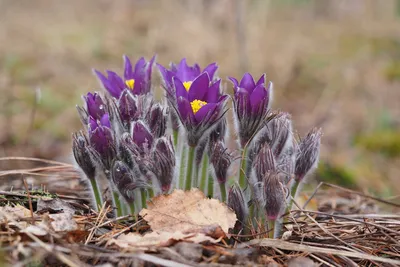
{"points": [[334, 63]]}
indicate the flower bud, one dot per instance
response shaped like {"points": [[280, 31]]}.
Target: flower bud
{"points": [[157, 119], [128, 108], [82, 155], [308, 154], [142, 136], [163, 162], [264, 162], [220, 160], [274, 195], [237, 203], [126, 181]]}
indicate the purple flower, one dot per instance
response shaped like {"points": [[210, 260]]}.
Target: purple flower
{"points": [[186, 74], [251, 103], [101, 139], [137, 78], [199, 106]]}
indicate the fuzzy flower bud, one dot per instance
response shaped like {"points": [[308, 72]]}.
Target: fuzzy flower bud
{"points": [[220, 161], [163, 162], [82, 156], [237, 203], [264, 162], [274, 195], [157, 119], [308, 154]]}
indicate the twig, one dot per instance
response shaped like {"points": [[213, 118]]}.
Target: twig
{"points": [[29, 201]]}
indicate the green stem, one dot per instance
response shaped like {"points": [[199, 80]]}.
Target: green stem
{"points": [[143, 195], [132, 208], [277, 228], [189, 167], [117, 203], [242, 171], [182, 168], [175, 136], [293, 193], [210, 188], [204, 173], [96, 193], [151, 192], [222, 188], [271, 224]]}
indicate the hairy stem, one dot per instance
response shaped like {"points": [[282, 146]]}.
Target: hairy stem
{"points": [[271, 224], [143, 196], [132, 208], [182, 167], [242, 170], [222, 189], [175, 134], [210, 187], [117, 203], [190, 172], [204, 173], [293, 193], [96, 193]]}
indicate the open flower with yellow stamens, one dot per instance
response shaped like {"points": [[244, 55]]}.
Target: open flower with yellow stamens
{"points": [[199, 106], [137, 79]]}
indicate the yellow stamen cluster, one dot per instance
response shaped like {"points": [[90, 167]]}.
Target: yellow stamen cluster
{"points": [[130, 83], [197, 104], [187, 85]]}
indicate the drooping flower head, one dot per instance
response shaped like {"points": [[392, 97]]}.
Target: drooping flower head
{"points": [[199, 106], [251, 102], [137, 78]]}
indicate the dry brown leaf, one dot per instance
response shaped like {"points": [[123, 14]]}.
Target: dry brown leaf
{"points": [[135, 241], [189, 212], [12, 215]]}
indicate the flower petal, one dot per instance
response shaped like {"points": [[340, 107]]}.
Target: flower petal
{"points": [[140, 64], [258, 96], [261, 80], [199, 87], [235, 84], [213, 92], [166, 75], [105, 121], [247, 82], [211, 70], [180, 90], [185, 109], [205, 111], [128, 72]]}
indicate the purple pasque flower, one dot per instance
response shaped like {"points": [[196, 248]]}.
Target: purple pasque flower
{"points": [[185, 73], [137, 78], [101, 139], [251, 103], [200, 106]]}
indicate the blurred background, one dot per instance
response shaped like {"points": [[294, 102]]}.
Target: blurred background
{"points": [[335, 64]]}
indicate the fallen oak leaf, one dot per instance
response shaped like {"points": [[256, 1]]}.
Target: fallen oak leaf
{"points": [[189, 212]]}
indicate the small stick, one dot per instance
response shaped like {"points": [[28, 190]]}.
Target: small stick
{"points": [[29, 200]]}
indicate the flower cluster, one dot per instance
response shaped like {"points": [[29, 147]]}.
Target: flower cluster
{"points": [[144, 148]]}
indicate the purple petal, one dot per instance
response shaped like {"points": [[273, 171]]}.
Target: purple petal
{"points": [[92, 125], [257, 97], [140, 64], [261, 80], [180, 90], [213, 92], [141, 135], [95, 105], [116, 84], [211, 70], [199, 87], [149, 68], [235, 84], [204, 111], [107, 84], [247, 82], [243, 102], [105, 121], [128, 68], [185, 109]]}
